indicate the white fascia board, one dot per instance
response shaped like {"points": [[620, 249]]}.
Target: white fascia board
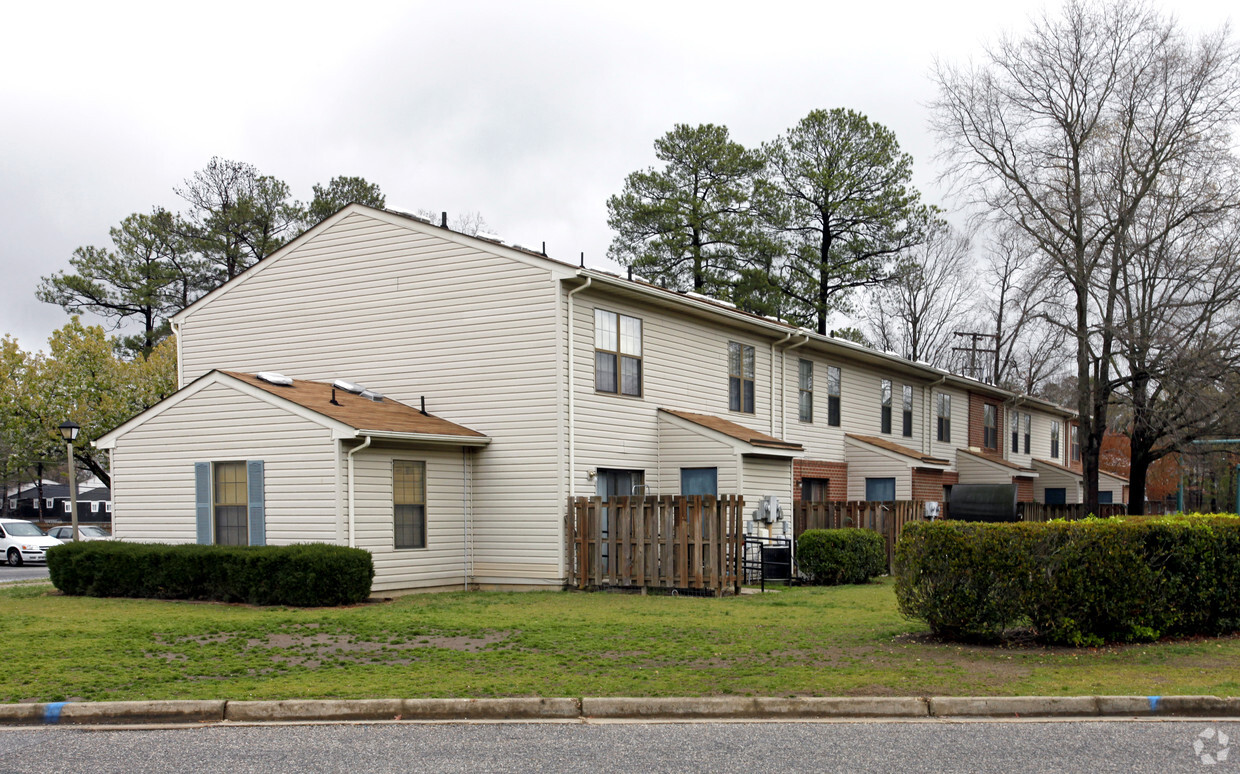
{"points": [[1112, 476], [1020, 472], [438, 439], [1057, 469], [908, 461], [108, 440]]}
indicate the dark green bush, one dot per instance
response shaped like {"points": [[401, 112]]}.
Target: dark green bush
{"points": [[833, 556], [302, 575], [1076, 583]]}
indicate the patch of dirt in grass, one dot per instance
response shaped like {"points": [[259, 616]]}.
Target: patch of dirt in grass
{"points": [[311, 650]]}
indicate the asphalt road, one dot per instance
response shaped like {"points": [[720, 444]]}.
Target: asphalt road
{"points": [[25, 572], [1033, 746]]}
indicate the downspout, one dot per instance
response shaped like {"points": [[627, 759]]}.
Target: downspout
{"points": [[352, 507], [775, 344], [926, 402], [783, 387], [572, 392], [466, 513], [340, 536]]}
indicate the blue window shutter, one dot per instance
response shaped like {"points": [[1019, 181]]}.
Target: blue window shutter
{"points": [[258, 517], [202, 500]]}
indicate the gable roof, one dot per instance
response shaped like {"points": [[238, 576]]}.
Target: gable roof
{"points": [[352, 416], [999, 461], [903, 451], [733, 430]]}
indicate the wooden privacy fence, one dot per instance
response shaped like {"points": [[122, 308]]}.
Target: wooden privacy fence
{"points": [[885, 518], [1044, 512], [655, 542]]}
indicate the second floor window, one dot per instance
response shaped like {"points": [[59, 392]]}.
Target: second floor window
{"points": [[1074, 440], [1028, 427], [833, 396], [944, 412], [990, 426], [906, 406], [740, 377], [617, 353], [805, 401], [885, 394], [1014, 421], [1055, 440]]}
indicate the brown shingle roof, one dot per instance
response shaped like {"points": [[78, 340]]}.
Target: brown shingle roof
{"points": [[997, 461], [883, 443], [733, 430], [386, 416]]}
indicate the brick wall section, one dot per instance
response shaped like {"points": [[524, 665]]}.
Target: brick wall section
{"points": [[1024, 489], [836, 472], [927, 484], [976, 434], [950, 478]]}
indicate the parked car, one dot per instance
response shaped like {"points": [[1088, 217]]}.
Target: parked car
{"points": [[23, 542], [85, 532]]}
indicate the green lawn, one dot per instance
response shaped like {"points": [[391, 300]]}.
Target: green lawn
{"points": [[805, 641]]}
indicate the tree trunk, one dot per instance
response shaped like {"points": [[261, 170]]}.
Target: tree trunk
{"points": [[94, 467]]}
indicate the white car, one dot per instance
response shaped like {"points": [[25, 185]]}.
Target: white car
{"points": [[23, 542], [85, 532]]}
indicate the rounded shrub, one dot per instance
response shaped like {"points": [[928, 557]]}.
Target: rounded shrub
{"points": [[833, 556], [301, 575]]}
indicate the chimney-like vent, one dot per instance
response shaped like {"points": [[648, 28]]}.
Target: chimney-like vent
{"points": [[271, 377], [377, 397]]}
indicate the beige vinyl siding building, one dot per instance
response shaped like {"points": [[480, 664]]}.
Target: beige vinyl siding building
{"points": [[415, 311]]}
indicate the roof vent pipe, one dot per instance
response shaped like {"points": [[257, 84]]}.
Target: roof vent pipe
{"points": [[544, 250], [424, 406], [334, 401], [443, 220], [583, 259]]}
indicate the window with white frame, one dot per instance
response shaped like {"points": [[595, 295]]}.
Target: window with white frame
{"points": [[409, 503], [1055, 440], [617, 353], [1028, 428], [805, 400], [1074, 442], [231, 504], [906, 406], [740, 377], [990, 426], [833, 396], [884, 391], [1014, 422], [943, 412]]}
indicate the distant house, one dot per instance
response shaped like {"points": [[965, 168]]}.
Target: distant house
{"points": [[550, 380], [94, 503]]}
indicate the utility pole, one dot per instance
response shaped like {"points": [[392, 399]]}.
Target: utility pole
{"points": [[974, 350]]}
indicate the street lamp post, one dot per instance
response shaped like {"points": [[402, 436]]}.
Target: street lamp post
{"points": [[68, 431]]}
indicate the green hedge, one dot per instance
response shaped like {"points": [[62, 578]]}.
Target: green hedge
{"points": [[1076, 583], [302, 575], [833, 556]]}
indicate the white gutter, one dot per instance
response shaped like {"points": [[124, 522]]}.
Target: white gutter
{"points": [[352, 508], [439, 438], [572, 392], [339, 491]]}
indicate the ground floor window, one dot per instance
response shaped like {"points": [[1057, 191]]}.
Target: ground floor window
{"points": [[880, 489], [1056, 496], [699, 481], [1105, 498], [231, 504], [409, 503]]}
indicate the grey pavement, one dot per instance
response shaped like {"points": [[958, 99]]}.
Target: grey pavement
{"points": [[1096, 746], [25, 572]]}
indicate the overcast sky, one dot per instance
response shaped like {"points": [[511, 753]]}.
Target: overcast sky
{"points": [[530, 113]]}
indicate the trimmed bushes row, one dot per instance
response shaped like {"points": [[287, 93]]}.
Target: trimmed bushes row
{"points": [[833, 556], [302, 575], [1073, 583]]}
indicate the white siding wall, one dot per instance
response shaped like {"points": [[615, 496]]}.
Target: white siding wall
{"points": [[1049, 478], [976, 471], [153, 468], [442, 562], [1113, 485], [860, 407], [679, 448], [684, 366], [767, 476], [864, 462], [410, 315]]}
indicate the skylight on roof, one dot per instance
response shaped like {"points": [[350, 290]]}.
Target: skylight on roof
{"points": [[272, 377]]}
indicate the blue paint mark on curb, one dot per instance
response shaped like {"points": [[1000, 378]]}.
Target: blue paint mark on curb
{"points": [[1154, 703], [51, 713]]}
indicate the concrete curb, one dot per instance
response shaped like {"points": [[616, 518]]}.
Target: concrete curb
{"points": [[614, 708]]}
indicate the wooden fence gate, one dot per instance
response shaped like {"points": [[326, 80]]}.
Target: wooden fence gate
{"points": [[655, 542]]}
